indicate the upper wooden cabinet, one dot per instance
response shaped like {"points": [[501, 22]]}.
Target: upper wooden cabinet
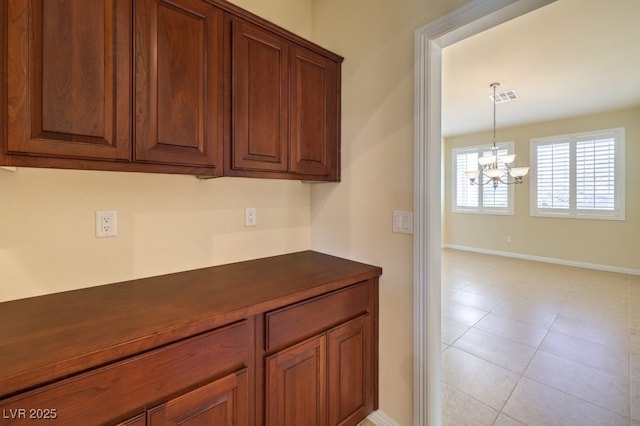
{"points": [[315, 93], [196, 87], [285, 115], [178, 83], [260, 77], [68, 78]]}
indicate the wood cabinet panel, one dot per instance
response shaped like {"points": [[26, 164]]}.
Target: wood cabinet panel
{"points": [[314, 126], [139, 420], [179, 80], [350, 351], [135, 382], [296, 322], [68, 78], [260, 73], [296, 385], [224, 402]]}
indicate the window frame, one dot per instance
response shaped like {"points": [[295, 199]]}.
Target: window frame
{"points": [[618, 212], [480, 209]]}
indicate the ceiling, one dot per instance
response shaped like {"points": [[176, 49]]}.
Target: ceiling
{"points": [[566, 59]]}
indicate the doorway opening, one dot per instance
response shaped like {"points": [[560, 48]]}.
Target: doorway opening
{"points": [[475, 17]]}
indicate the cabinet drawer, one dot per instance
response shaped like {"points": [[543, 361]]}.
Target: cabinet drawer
{"points": [[310, 317], [112, 393]]}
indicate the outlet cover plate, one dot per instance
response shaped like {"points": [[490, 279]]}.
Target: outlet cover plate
{"points": [[250, 216], [106, 223]]}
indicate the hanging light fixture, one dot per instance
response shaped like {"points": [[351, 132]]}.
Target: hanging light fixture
{"points": [[489, 171]]}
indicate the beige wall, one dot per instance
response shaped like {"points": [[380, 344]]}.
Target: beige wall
{"points": [[353, 218], [599, 242], [293, 15], [166, 223]]}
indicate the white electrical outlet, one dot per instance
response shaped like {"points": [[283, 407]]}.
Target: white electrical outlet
{"points": [[250, 216], [106, 223]]}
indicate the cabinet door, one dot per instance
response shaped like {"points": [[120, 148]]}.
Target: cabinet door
{"points": [[350, 372], [68, 78], [315, 109], [223, 402], [260, 69], [178, 82], [139, 420], [296, 385]]}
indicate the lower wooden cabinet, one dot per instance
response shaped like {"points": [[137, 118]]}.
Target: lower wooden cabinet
{"points": [[296, 385], [304, 354], [351, 375], [326, 380], [104, 395], [329, 378], [139, 420], [224, 402]]}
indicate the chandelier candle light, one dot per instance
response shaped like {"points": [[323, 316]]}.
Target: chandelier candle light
{"points": [[489, 163]]}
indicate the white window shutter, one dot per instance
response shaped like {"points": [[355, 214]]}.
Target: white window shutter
{"points": [[595, 174], [553, 175], [466, 194]]}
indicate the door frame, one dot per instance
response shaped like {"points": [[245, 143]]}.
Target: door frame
{"points": [[473, 18]]}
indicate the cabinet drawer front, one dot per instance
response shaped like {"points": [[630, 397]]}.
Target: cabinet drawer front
{"points": [[301, 320], [117, 391]]}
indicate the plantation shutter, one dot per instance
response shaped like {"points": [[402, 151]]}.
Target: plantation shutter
{"points": [[553, 175], [595, 174], [466, 194]]}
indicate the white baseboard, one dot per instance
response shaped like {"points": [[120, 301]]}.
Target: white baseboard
{"points": [[380, 419], [564, 262]]}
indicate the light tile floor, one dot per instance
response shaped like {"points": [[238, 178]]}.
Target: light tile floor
{"points": [[538, 344]]}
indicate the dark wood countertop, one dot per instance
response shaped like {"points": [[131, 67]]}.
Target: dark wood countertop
{"points": [[53, 336]]}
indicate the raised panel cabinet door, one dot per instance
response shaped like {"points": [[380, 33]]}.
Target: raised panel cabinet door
{"points": [[260, 69], [178, 82], [68, 78], [350, 372], [315, 109], [139, 420], [296, 393], [224, 402]]}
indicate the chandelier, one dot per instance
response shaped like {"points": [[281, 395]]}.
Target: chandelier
{"points": [[489, 170]]}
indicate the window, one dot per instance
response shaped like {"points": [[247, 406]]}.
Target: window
{"points": [[579, 175], [469, 198]]}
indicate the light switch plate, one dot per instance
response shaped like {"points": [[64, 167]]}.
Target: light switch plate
{"points": [[403, 222]]}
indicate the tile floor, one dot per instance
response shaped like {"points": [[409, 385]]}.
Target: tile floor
{"points": [[538, 344]]}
